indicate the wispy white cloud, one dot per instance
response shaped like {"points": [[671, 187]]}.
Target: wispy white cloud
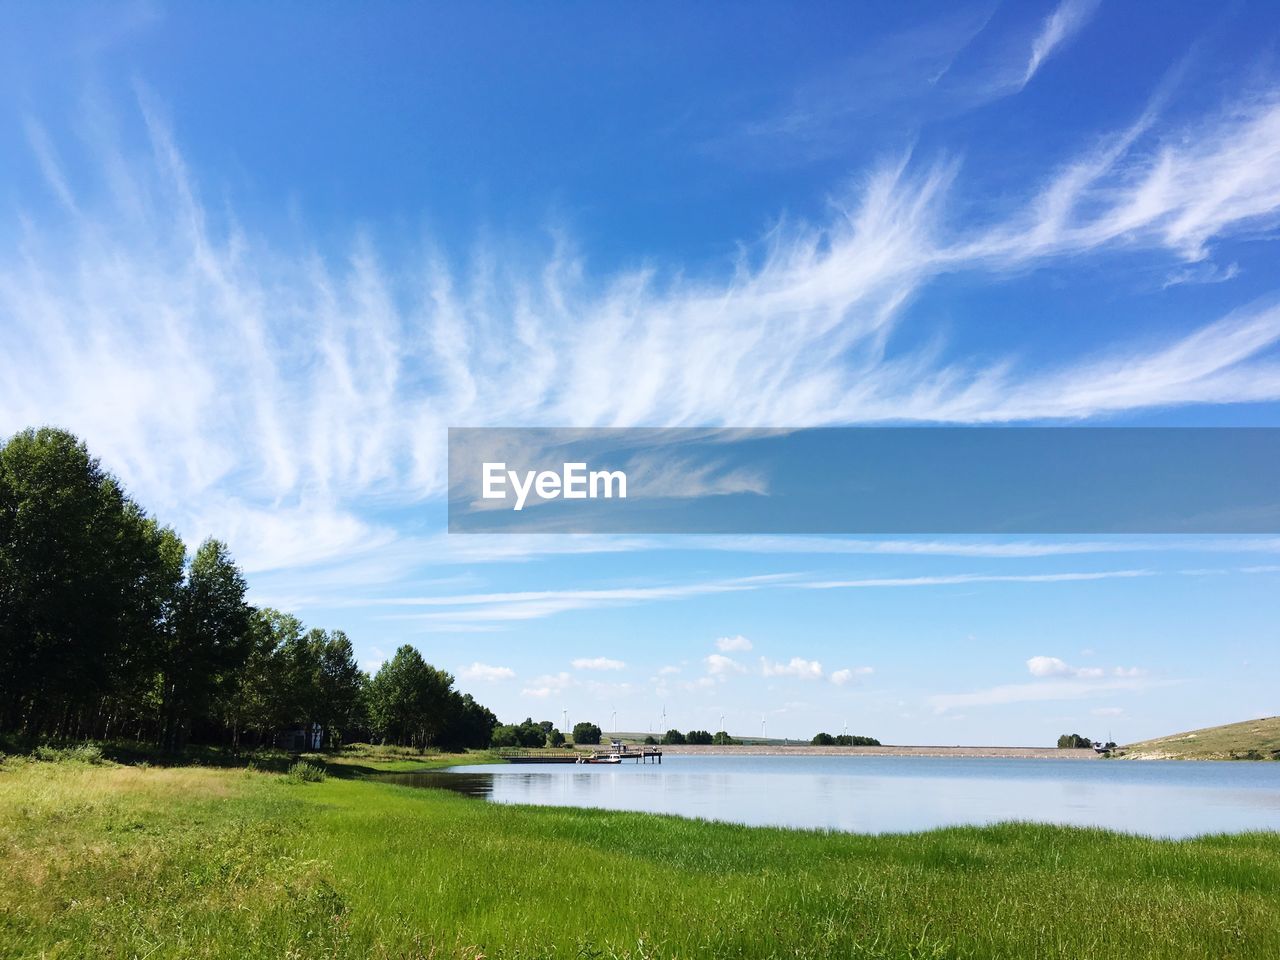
{"points": [[735, 643], [1056, 680], [230, 379], [720, 665], [963, 578], [598, 663], [457, 611], [966, 546], [1048, 690], [1054, 667], [483, 671], [1059, 27], [848, 675], [795, 667], [536, 604], [548, 684], [671, 476]]}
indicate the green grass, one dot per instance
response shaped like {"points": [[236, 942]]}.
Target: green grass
{"points": [[1250, 740], [106, 861]]}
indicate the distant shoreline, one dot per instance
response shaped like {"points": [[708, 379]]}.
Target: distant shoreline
{"points": [[804, 750]]}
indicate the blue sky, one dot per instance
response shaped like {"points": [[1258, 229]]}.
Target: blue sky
{"points": [[261, 259]]}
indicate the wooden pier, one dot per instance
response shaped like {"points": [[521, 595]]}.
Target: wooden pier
{"points": [[636, 754]]}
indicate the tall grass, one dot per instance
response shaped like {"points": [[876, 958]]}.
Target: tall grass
{"points": [[109, 861]]}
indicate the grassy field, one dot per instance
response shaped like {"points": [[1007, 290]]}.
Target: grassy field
{"points": [[107, 861], [1250, 740]]}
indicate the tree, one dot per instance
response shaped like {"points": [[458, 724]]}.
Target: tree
{"points": [[506, 735], [650, 740], [850, 740], [84, 580], [673, 737], [108, 629], [532, 734], [700, 737], [823, 740], [210, 641], [295, 677], [1073, 741], [469, 723], [586, 734], [339, 686], [555, 738], [723, 739], [409, 700], [526, 734], [257, 700]]}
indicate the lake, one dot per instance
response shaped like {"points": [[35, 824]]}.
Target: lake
{"points": [[1166, 798]]}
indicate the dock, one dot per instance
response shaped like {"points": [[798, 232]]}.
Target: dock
{"points": [[635, 754]]}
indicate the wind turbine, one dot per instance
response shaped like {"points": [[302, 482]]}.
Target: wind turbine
{"points": [[762, 736], [614, 723]]}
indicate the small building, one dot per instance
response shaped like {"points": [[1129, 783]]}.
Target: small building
{"points": [[302, 738]]}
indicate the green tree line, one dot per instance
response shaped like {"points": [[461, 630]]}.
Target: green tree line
{"points": [[530, 734], [843, 740], [109, 629]]}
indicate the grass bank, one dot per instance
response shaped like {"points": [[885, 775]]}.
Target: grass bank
{"points": [[102, 860], [1249, 740]]}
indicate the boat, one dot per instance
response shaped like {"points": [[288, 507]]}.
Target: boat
{"points": [[609, 758]]}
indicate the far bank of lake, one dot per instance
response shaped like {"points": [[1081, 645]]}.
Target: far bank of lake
{"points": [[893, 794], [888, 750]]}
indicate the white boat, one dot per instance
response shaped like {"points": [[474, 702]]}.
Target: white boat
{"points": [[611, 758]]}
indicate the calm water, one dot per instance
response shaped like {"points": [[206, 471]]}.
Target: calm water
{"points": [[889, 794]]}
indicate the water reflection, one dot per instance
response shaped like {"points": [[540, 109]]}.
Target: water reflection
{"points": [[890, 794]]}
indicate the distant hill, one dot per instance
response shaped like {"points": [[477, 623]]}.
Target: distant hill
{"points": [[1250, 740]]}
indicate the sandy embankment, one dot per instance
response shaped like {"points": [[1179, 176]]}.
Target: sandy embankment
{"points": [[750, 750]]}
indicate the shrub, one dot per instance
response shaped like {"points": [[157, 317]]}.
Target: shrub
{"points": [[823, 740], [304, 772], [84, 753], [673, 736], [723, 739], [586, 734], [650, 741]]}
